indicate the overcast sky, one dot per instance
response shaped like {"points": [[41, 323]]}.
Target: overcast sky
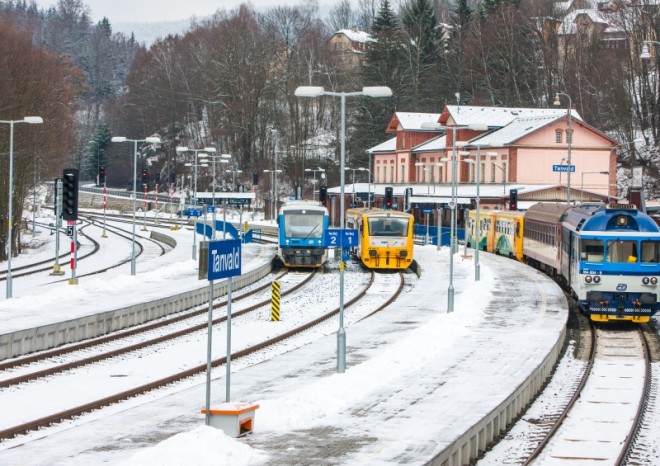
{"points": [[161, 10]]}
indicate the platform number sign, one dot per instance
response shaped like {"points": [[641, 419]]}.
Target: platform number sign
{"points": [[340, 238]]}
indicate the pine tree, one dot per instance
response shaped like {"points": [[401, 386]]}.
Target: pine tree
{"points": [[428, 68]]}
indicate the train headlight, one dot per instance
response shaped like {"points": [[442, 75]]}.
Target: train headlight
{"points": [[597, 279], [587, 279], [654, 281], [622, 220], [404, 253], [645, 281], [372, 252]]}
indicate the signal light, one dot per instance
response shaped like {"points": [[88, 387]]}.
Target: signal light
{"points": [[323, 195], [157, 177], [145, 175], [389, 197], [255, 178], [70, 194], [513, 199], [101, 175]]}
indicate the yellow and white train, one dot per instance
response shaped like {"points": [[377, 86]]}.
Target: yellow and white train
{"points": [[385, 237]]}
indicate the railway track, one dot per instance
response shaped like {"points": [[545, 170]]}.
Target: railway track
{"points": [[597, 418], [132, 371]]}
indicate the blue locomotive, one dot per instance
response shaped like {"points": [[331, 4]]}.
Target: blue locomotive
{"points": [[302, 225], [611, 261]]}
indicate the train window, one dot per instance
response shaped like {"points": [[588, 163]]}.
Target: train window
{"points": [[591, 250], [303, 225], [619, 251], [651, 251]]}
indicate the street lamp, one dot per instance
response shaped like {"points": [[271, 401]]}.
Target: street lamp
{"points": [[582, 180], [362, 169], [199, 153], [33, 120], [569, 141], [223, 158], [477, 265], [149, 140], [273, 184], [454, 189], [314, 170], [317, 91]]}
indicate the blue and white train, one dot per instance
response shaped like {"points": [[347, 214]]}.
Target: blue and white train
{"points": [[611, 261], [302, 225]]}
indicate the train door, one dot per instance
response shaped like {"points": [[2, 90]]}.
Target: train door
{"points": [[518, 238], [565, 254]]}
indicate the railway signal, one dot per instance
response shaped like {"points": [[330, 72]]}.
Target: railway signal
{"points": [[70, 194], [323, 195], [101, 175], [145, 176], [513, 199], [389, 197]]}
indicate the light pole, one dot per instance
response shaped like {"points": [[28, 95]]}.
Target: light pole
{"points": [[352, 182], [33, 120], [477, 266], [224, 158], [362, 169], [273, 183], [199, 153], [569, 141], [452, 207], [149, 140], [494, 154], [317, 91], [314, 170], [582, 180]]}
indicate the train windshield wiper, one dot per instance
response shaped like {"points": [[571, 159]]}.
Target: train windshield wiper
{"points": [[312, 230]]}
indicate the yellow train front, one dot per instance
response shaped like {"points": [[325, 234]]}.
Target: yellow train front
{"points": [[385, 237]]}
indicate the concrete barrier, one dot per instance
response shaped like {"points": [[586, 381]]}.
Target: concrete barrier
{"points": [[44, 337]]}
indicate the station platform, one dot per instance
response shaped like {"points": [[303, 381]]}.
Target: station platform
{"points": [[418, 381]]}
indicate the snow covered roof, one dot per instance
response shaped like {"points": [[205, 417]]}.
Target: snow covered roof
{"points": [[569, 24], [499, 116], [356, 36], [435, 144], [517, 129], [387, 146], [413, 121]]}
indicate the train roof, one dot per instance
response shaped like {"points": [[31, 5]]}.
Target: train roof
{"points": [[546, 212], [377, 212], [302, 204], [620, 217]]}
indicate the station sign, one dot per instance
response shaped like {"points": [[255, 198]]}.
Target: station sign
{"points": [[238, 200], [191, 212], [224, 259], [210, 209], [562, 168], [340, 238]]}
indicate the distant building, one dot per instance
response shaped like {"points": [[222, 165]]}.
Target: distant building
{"points": [[350, 45]]}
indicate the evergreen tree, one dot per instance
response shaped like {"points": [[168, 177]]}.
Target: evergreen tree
{"points": [[428, 68], [461, 18], [98, 147], [384, 65]]}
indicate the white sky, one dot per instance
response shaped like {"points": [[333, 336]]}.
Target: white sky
{"points": [[162, 10], [299, 391]]}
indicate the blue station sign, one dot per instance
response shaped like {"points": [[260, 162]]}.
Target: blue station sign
{"points": [[340, 238], [224, 259], [562, 168]]}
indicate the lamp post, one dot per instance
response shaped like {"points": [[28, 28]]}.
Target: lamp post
{"points": [[454, 189], [273, 183], [569, 141], [352, 182], [314, 170], [223, 158], [33, 120], [582, 180], [149, 140], [317, 91], [494, 154], [477, 161], [199, 153], [362, 169]]}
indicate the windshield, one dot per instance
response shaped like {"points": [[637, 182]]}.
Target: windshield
{"points": [[387, 226], [302, 224]]}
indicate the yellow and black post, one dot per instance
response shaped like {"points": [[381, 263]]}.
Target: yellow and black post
{"points": [[275, 303]]}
